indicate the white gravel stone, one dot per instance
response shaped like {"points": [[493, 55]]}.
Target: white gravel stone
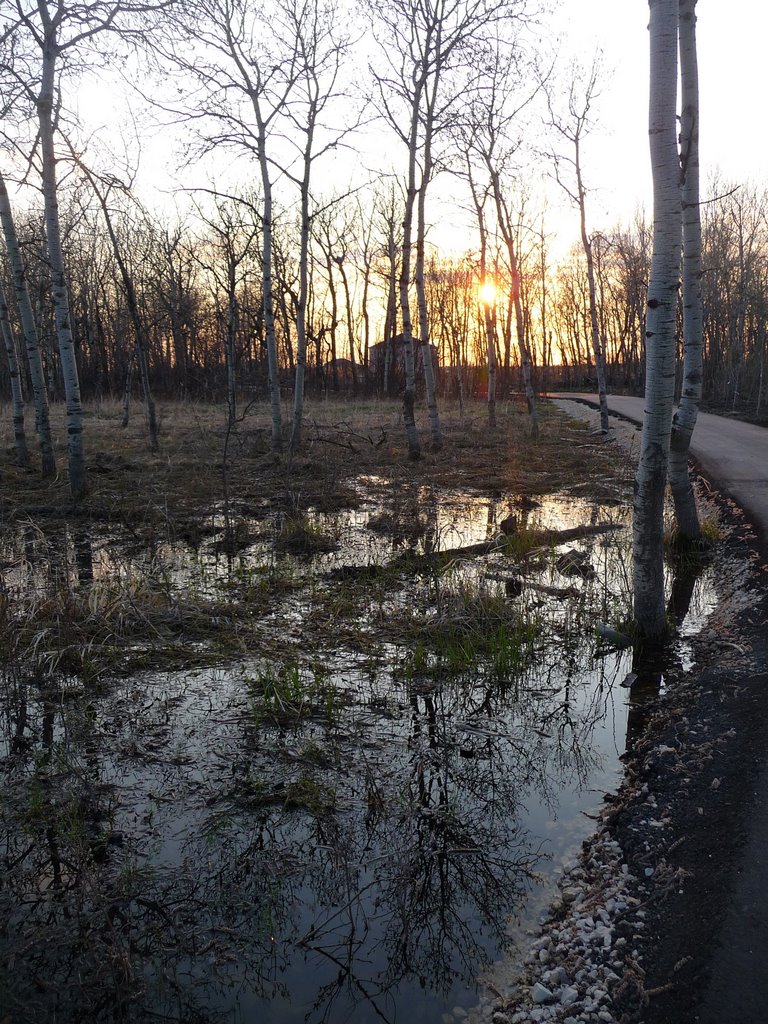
{"points": [[541, 994], [569, 995], [559, 976]]}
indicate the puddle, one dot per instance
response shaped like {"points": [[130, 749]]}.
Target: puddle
{"points": [[351, 830]]}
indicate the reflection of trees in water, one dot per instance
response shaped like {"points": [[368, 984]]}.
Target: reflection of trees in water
{"points": [[83, 554], [47, 562], [410, 880], [440, 858], [651, 662], [90, 922]]}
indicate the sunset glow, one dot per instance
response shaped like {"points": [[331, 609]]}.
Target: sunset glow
{"points": [[487, 293]]}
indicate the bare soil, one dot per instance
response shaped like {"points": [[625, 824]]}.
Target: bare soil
{"points": [[694, 768]]}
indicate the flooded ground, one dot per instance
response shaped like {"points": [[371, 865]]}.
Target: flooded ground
{"points": [[347, 818]]}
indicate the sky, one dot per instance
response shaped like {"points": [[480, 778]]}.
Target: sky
{"points": [[616, 163], [731, 49]]}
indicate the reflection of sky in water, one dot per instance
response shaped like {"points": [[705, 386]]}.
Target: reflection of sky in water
{"points": [[437, 794], [419, 516], [446, 793]]}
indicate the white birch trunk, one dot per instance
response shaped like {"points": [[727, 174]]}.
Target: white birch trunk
{"points": [[421, 296], [231, 330], [648, 519], [409, 395], [78, 479], [20, 439], [684, 421], [301, 309], [598, 347], [266, 269], [31, 337], [509, 240]]}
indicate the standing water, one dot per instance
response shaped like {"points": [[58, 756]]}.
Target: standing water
{"points": [[349, 819]]}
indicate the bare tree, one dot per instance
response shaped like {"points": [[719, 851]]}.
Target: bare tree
{"points": [[428, 58], [29, 330], [20, 439], [650, 480], [322, 47], [573, 126], [489, 139], [684, 420], [248, 63], [53, 38], [487, 287], [234, 228], [386, 208], [102, 189]]}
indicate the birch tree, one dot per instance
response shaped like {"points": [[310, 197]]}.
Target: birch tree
{"points": [[247, 63], [489, 139], [17, 398], [56, 29], [650, 480], [572, 128], [428, 60], [29, 330], [54, 39], [684, 420], [322, 47], [267, 76]]}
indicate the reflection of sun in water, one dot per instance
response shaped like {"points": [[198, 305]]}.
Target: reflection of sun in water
{"points": [[487, 292]]}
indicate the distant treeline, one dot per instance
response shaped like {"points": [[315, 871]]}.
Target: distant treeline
{"points": [[199, 283]]}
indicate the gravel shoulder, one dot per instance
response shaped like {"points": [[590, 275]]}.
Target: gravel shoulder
{"points": [[660, 919]]}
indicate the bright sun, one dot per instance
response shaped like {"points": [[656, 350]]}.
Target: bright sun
{"points": [[488, 292]]}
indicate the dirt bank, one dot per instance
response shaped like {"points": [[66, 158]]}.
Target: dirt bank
{"points": [[674, 844]]}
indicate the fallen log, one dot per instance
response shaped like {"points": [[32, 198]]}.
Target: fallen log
{"points": [[536, 539]]}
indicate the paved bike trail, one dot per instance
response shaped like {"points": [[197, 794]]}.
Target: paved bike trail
{"points": [[734, 456]]}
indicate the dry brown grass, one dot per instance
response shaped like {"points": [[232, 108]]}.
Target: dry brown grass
{"points": [[173, 493], [185, 479]]}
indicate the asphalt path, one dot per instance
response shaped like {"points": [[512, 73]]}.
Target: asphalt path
{"points": [[734, 456]]}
